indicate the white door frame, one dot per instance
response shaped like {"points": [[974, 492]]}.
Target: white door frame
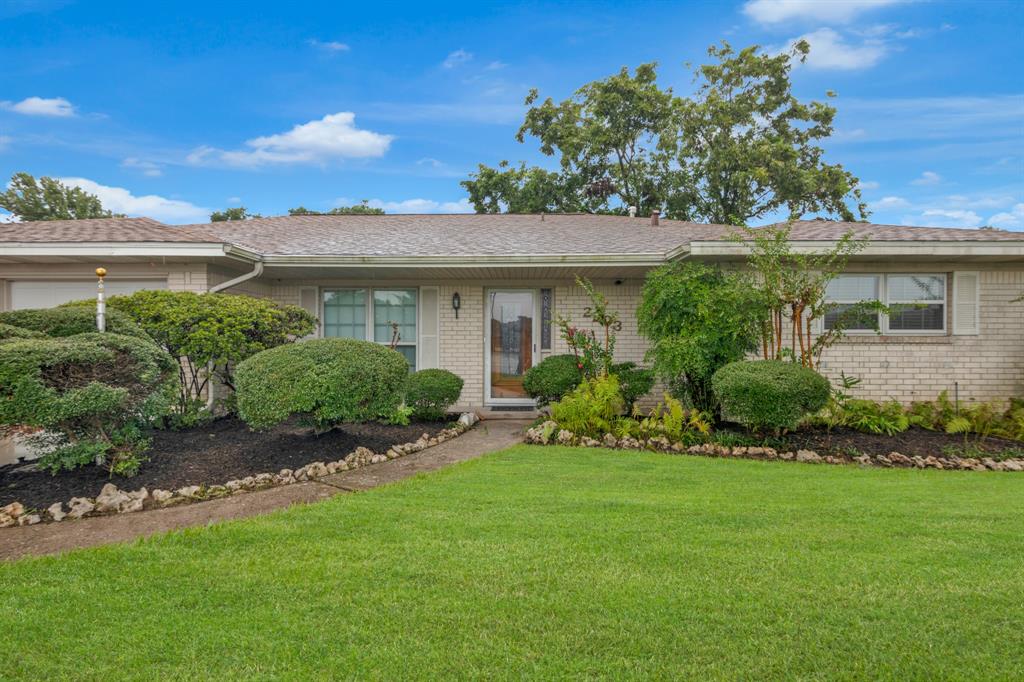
{"points": [[535, 293]]}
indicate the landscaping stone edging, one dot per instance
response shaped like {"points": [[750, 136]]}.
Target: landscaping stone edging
{"points": [[113, 500], [548, 433]]}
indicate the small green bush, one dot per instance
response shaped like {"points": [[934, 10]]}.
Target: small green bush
{"points": [[89, 393], [634, 382], [324, 381], [869, 416], [593, 409], [430, 392], [769, 394], [71, 320], [9, 331], [552, 379]]}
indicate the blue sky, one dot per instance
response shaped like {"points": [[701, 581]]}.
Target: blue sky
{"points": [[173, 109]]}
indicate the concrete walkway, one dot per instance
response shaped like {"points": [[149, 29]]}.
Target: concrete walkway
{"points": [[52, 538]]}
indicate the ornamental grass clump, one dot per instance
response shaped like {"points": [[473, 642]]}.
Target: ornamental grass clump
{"points": [[89, 396], [324, 382], [769, 395]]}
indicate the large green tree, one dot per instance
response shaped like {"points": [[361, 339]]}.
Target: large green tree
{"points": [[747, 147], [362, 208], [741, 148], [229, 214], [49, 199]]}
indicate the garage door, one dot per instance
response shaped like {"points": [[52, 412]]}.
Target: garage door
{"points": [[50, 293]]}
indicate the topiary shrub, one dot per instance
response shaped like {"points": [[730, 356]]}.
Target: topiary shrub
{"points": [[430, 392], [634, 382], [222, 329], [71, 320], [9, 331], [324, 381], [769, 394], [552, 379], [89, 393]]}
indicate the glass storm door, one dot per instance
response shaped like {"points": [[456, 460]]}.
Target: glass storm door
{"points": [[511, 344]]}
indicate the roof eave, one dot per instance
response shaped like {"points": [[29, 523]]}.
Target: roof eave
{"points": [[467, 261]]}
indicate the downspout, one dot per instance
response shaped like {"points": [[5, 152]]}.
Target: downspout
{"points": [[256, 272]]}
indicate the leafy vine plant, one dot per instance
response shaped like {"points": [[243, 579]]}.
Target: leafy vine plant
{"points": [[594, 355]]}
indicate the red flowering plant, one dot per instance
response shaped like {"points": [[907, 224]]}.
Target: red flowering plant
{"points": [[593, 354]]}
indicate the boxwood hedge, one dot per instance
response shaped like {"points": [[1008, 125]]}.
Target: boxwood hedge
{"points": [[769, 394], [324, 381], [430, 392]]}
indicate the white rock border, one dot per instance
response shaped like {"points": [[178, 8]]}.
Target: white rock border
{"points": [[548, 433], [112, 500]]}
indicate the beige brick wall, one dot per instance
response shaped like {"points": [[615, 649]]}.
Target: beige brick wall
{"points": [[987, 366]]}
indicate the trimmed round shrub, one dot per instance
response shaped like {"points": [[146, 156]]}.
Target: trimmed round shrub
{"points": [[634, 382], [323, 381], [552, 379], [430, 392], [769, 394], [71, 320], [9, 331], [89, 393]]}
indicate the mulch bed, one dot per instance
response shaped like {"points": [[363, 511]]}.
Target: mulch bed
{"points": [[913, 441], [223, 450]]}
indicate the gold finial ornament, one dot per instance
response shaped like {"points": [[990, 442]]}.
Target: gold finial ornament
{"points": [[101, 272]]}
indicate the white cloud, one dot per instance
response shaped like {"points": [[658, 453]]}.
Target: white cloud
{"points": [[40, 106], [456, 58], [829, 50], [234, 200], [927, 178], [495, 65], [890, 202], [943, 217], [329, 45], [414, 205], [1009, 220], [332, 137], [120, 200], [868, 184], [835, 11], [985, 201], [147, 168]]}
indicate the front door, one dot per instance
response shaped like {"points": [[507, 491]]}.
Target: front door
{"points": [[511, 344]]}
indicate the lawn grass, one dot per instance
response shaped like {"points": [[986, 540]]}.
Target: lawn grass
{"points": [[554, 562]]}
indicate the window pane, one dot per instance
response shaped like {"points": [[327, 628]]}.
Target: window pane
{"points": [[410, 355], [928, 317], [864, 320], [853, 288], [906, 288], [345, 313], [399, 306]]}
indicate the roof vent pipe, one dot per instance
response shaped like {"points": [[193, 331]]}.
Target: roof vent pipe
{"points": [[654, 218], [632, 211]]}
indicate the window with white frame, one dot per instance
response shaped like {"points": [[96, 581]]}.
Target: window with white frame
{"points": [[845, 292], [372, 315], [917, 302]]}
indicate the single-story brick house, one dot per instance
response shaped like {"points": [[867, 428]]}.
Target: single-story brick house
{"points": [[477, 294]]}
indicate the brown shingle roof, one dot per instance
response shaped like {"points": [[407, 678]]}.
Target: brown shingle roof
{"points": [[101, 230], [458, 235], [821, 230]]}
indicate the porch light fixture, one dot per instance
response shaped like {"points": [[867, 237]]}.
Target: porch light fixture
{"points": [[456, 303]]}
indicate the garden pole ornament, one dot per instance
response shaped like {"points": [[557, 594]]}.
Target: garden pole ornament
{"points": [[101, 305]]}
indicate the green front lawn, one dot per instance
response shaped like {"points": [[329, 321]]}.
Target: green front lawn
{"points": [[549, 562]]}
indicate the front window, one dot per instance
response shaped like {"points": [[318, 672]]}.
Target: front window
{"points": [[372, 315], [844, 293], [917, 302]]}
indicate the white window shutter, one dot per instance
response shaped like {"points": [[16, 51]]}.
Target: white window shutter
{"points": [[428, 344], [309, 302], [966, 303]]}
